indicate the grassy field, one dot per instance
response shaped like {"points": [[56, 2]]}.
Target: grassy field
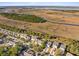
{"points": [[24, 17]]}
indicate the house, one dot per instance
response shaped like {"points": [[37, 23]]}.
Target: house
{"points": [[44, 53], [15, 34], [10, 43], [6, 33], [47, 49], [34, 38], [14, 40], [30, 52], [28, 37], [22, 36], [48, 44], [63, 48], [26, 54], [1, 41], [39, 42], [55, 45], [38, 54]]}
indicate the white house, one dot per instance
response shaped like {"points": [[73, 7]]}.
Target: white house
{"points": [[54, 47]]}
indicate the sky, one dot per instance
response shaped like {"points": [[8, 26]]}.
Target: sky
{"points": [[39, 3]]}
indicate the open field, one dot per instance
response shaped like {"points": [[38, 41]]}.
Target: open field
{"points": [[48, 27]]}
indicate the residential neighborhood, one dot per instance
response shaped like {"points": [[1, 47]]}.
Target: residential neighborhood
{"points": [[10, 39]]}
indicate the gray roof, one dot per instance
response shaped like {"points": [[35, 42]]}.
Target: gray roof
{"points": [[62, 46], [49, 43], [1, 40], [55, 43]]}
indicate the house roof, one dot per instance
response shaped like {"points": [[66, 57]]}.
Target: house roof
{"points": [[55, 43], [49, 43], [62, 46], [34, 37], [0, 39]]}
